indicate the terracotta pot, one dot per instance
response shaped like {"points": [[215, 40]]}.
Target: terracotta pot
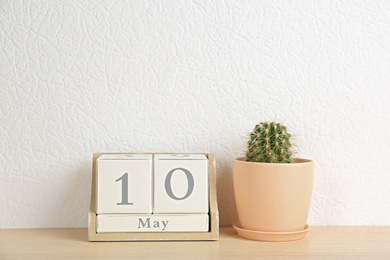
{"points": [[273, 197]]}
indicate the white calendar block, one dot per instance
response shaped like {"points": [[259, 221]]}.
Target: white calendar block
{"points": [[152, 223], [180, 183], [124, 183]]}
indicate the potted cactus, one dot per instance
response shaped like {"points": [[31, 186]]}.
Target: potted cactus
{"points": [[272, 189]]}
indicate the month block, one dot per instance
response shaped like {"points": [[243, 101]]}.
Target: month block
{"points": [[124, 183], [180, 183], [152, 223]]}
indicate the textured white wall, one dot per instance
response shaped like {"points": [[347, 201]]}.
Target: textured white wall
{"points": [[192, 76]]}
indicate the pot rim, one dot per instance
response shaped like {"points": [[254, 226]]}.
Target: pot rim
{"points": [[296, 161]]}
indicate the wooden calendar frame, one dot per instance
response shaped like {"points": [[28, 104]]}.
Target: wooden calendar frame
{"points": [[212, 234]]}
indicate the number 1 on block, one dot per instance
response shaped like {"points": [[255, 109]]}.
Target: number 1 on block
{"points": [[124, 183], [125, 190]]}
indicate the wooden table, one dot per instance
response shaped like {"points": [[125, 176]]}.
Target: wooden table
{"points": [[320, 243]]}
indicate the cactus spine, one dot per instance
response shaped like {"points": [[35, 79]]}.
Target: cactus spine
{"points": [[269, 142]]}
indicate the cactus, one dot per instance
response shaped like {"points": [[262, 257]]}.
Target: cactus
{"points": [[269, 142]]}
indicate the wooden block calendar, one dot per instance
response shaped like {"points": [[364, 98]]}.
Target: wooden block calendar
{"points": [[153, 196]]}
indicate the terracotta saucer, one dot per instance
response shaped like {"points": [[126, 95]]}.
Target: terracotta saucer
{"points": [[271, 236]]}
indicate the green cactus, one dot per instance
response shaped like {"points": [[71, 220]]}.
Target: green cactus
{"points": [[269, 142]]}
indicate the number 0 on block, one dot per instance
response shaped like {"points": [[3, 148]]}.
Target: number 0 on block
{"points": [[180, 184]]}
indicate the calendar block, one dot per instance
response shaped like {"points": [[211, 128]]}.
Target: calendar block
{"points": [[153, 223], [180, 183], [124, 183], [135, 197]]}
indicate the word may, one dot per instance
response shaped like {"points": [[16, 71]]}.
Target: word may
{"points": [[156, 224]]}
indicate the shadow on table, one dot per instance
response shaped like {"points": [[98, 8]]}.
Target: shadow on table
{"points": [[228, 231], [76, 234]]}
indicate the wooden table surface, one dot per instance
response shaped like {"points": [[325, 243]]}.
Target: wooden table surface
{"points": [[320, 243]]}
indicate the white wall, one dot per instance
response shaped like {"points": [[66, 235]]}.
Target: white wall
{"points": [[192, 76]]}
